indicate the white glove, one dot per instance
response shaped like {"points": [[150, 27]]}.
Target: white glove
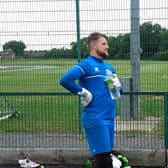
{"points": [[116, 81], [116, 162], [86, 97]]}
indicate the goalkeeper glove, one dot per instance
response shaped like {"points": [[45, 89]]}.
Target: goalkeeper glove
{"points": [[86, 97], [116, 81], [113, 82]]}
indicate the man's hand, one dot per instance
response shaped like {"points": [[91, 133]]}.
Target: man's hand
{"points": [[86, 97], [116, 81]]}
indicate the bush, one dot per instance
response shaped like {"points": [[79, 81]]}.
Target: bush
{"points": [[162, 56], [60, 53], [17, 47]]}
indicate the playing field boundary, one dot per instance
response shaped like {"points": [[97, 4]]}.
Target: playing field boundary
{"points": [[76, 157], [141, 147]]}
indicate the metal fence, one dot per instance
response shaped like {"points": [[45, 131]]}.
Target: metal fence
{"points": [[44, 25], [52, 120], [46, 115]]}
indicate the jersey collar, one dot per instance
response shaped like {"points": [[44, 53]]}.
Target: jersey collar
{"points": [[95, 58]]}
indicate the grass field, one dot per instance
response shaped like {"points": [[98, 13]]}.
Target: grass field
{"points": [[44, 75], [61, 113]]}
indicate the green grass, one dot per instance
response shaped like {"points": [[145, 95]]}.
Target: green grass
{"points": [[60, 113], [43, 113], [154, 76], [43, 80], [38, 62]]}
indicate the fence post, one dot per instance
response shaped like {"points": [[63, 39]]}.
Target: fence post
{"points": [[125, 100], [135, 55], [78, 54], [78, 30], [166, 126]]}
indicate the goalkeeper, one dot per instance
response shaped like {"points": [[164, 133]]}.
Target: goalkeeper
{"points": [[99, 107]]}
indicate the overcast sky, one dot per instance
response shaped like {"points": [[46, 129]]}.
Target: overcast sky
{"points": [[46, 24]]}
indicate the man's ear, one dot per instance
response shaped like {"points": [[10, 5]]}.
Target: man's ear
{"points": [[93, 44]]}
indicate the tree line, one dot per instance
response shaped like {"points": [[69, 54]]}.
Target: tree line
{"points": [[153, 42]]}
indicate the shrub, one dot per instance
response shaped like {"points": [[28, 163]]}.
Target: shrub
{"points": [[161, 55]]}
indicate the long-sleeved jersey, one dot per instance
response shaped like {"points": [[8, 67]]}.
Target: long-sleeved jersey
{"points": [[91, 73]]}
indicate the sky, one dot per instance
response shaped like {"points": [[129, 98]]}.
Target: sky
{"points": [[46, 24]]}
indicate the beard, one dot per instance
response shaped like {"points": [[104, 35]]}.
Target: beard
{"points": [[103, 54]]}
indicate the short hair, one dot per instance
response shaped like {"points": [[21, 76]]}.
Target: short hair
{"points": [[95, 36]]}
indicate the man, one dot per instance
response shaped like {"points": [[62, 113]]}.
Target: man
{"points": [[99, 108]]}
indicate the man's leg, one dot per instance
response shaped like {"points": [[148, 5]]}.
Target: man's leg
{"points": [[103, 160], [100, 138], [100, 142]]}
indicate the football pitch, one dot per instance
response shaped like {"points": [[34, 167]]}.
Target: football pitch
{"points": [[46, 108], [43, 75], [60, 112]]}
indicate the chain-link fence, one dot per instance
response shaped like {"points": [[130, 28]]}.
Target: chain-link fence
{"points": [[52, 120], [50, 37]]}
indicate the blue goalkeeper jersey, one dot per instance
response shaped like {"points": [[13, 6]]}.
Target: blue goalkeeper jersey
{"points": [[91, 73]]}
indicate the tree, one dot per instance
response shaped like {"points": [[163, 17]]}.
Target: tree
{"points": [[55, 53], [146, 38], [163, 40], [153, 39], [17, 47], [84, 48], [114, 46]]}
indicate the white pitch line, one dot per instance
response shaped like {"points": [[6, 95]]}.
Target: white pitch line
{"points": [[23, 68]]}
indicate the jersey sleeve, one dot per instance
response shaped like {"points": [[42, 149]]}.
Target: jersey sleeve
{"points": [[68, 80]]}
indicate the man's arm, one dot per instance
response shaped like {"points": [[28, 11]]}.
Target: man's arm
{"points": [[69, 78], [68, 82]]}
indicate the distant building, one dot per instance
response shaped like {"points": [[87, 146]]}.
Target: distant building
{"points": [[7, 55]]}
